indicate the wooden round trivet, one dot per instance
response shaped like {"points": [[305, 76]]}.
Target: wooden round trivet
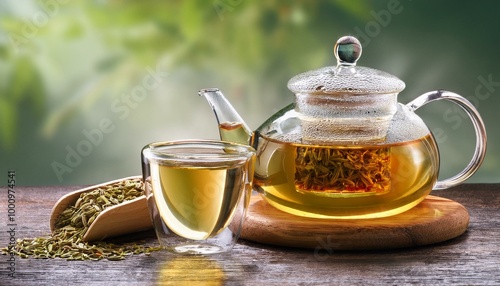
{"points": [[434, 220]]}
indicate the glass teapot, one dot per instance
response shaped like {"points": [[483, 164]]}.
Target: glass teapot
{"points": [[346, 148]]}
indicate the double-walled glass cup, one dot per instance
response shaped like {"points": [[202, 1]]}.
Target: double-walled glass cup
{"points": [[198, 193]]}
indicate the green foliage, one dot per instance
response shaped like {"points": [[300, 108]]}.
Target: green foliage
{"points": [[62, 58], [23, 88]]}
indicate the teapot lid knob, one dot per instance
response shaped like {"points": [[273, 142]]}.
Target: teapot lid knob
{"points": [[346, 77], [347, 51]]}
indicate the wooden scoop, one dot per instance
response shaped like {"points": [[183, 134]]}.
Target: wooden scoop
{"points": [[127, 217]]}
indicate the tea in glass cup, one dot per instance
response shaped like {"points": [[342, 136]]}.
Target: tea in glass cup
{"points": [[198, 193]]}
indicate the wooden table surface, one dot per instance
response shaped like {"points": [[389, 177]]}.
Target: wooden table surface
{"points": [[471, 259]]}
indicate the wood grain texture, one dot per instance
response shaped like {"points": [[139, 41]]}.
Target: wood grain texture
{"points": [[470, 259], [433, 220], [125, 218]]}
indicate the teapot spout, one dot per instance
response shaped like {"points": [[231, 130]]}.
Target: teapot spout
{"points": [[232, 128]]}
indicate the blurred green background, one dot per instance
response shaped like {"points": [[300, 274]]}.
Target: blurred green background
{"points": [[104, 78]]}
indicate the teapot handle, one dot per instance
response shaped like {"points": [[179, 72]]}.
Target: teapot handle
{"points": [[479, 128]]}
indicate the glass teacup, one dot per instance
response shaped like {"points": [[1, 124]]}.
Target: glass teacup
{"points": [[198, 193]]}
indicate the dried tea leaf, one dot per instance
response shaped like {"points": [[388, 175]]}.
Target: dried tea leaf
{"points": [[65, 242], [333, 170]]}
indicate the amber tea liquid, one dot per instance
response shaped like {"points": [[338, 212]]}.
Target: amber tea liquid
{"points": [[199, 201], [346, 181]]}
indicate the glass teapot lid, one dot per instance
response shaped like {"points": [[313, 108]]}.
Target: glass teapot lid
{"points": [[346, 77]]}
